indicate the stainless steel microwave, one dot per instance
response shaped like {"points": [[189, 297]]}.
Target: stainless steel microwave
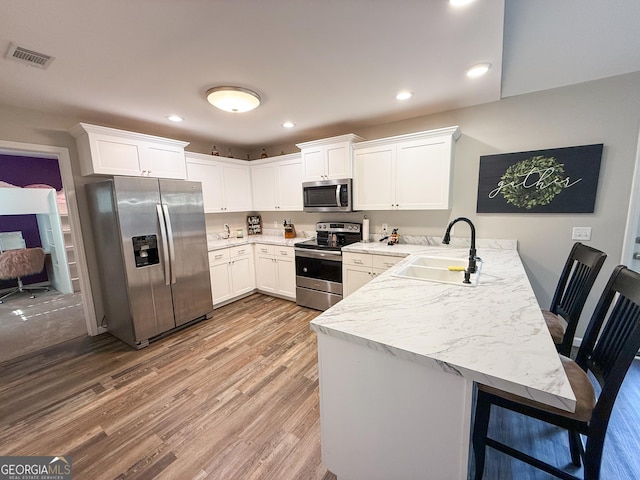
{"points": [[327, 196]]}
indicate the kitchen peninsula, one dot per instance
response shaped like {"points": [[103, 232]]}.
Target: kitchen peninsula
{"points": [[399, 357]]}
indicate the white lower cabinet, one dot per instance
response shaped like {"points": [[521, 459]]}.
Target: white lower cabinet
{"points": [[232, 273], [359, 269], [276, 270]]}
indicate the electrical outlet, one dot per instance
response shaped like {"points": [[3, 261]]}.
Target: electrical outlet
{"points": [[385, 227], [275, 224], [581, 233]]}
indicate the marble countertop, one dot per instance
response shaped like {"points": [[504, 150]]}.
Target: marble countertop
{"points": [[218, 243], [424, 244], [492, 334]]}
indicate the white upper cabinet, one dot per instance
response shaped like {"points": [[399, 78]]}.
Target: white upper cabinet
{"points": [[407, 172], [107, 151], [328, 158], [226, 182], [277, 183]]}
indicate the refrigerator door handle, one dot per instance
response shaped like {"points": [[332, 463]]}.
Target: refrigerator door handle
{"points": [[165, 244], [172, 250]]}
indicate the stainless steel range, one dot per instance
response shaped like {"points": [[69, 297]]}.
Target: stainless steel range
{"points": [[319, 264]]}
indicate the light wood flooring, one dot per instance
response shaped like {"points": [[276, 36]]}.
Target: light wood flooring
{"points": [[233, 398]]}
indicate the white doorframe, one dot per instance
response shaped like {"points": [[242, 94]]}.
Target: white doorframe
{"points": [[629, 247], [61, 154]]}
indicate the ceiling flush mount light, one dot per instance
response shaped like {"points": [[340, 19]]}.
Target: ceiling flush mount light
{"points": [[233, 99], [288, 124], [404, 95], [460, 3], [174, 118], [478, 70]]}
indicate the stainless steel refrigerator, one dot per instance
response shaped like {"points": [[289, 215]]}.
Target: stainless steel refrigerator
{"points": [[151, 248]]}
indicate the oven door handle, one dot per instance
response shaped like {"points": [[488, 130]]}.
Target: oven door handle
{"points": [[322, 254]]}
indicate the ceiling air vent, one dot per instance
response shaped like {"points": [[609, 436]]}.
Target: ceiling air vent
{"points": [[29, 57]]}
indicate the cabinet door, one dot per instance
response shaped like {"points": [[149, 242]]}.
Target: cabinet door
{"points": [[314, 163], [210, 175], [237, 188], [220, 282], [242, 276], [164, 161], [115, 155], [423, 170], [264, 187], [266, 273], [354, 277], [338, 158], [286, 274], [374, 178], [289, 191]]}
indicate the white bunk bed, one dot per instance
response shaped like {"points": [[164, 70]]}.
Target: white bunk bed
{"points": [[41, 202]]}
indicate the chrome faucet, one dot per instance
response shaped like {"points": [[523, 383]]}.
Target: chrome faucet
{"points": [[226, 226], [472, 251]]}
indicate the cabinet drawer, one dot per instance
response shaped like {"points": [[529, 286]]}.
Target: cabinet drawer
{"points": [[357, 259], [216, 256], [384, 262], [239, 251], [264, 249], [283, 251]]}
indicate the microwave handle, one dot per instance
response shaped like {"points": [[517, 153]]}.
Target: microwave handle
{"points": [[338, 195]]}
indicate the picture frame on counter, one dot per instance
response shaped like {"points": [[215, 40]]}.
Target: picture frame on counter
{"points": [[254, 225]]}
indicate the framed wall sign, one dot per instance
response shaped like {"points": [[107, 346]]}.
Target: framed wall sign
{"points": [[254, 225], [557, 180]]}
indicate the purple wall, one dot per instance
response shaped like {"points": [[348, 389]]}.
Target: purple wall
{"points": [[22, 171]]}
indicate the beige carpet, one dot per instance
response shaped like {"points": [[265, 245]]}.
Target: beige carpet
{"points": [[28, 325]]}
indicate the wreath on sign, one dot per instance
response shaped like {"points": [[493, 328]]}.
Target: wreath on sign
{"points": [[533, 182]]}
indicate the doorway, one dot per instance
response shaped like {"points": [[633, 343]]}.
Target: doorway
{"points": [[78, 304], [631, 245]]}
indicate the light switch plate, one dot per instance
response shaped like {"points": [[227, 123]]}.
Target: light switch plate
{"points": [[581, 233]]}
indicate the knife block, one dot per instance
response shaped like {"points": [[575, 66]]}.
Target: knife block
{"points": [[289, 231]]}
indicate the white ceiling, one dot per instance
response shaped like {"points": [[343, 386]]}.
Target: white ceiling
{"points": [[329, 66]]}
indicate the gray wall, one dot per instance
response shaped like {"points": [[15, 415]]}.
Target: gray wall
{"points": [[605, 111]]}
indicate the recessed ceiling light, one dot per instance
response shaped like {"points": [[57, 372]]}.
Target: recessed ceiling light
{"points": [[460, 3], [404, 95], [288, 124], [175, 118], [478, 70], [233, 99]]}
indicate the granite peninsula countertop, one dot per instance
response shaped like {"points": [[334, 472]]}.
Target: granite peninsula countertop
{"points": [[492, 334]]}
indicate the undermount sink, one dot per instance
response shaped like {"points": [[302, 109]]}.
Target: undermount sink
{"points": [[439, 269]]}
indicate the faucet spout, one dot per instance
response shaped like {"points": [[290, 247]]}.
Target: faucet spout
{"points": [[472, 251]]}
